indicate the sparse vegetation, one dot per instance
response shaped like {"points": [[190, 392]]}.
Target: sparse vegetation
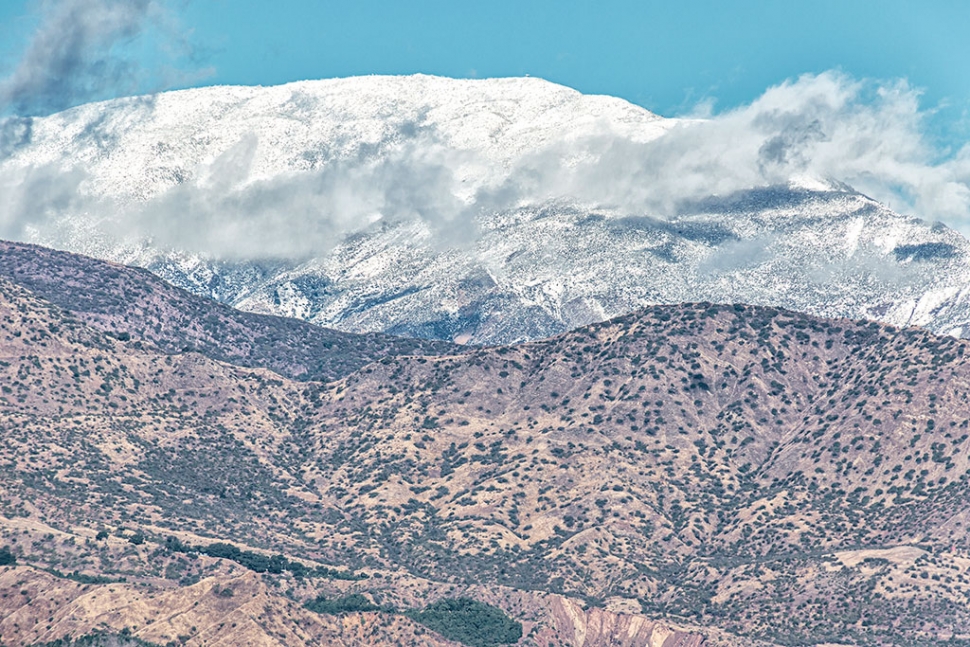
{"points": [[98, 640], [746, 468]]}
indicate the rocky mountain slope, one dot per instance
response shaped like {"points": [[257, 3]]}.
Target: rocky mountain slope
{"points": [[483, 211], [135, 305], [731, 474]]}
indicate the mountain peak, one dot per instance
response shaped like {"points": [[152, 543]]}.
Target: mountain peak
{"points": [[480, 210]]}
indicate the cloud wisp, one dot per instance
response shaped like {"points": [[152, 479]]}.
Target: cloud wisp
{"points": [[819, 127], [302, 215], [80, 52]]}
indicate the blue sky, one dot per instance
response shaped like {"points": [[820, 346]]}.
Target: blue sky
{"points": [[662, 55], [872, 93], [666, 56], [886, 83]]}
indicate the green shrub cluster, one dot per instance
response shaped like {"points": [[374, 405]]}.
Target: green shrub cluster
{"points": [[98, 640], [84, 578], [463, 620], [353, 603], [258, 562], [469, 622]]}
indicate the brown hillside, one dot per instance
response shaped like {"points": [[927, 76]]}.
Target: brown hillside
{"points": [[719, 464], [133, 303], [780, 477], [100, 433]]}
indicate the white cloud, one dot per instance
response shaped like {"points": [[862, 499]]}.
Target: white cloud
{"points": [[78, 54], [829, 126], [301, 215]]}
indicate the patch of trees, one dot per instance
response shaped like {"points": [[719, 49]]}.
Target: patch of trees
{"points": [[260, 563], [354, 603], [98, 640], [463, 620], [7, 557], [469, 622], [84, 578]]}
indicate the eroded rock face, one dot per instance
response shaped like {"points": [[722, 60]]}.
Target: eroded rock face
{"points": [[600, 628]]}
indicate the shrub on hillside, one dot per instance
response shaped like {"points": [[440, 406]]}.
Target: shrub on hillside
{"points": [[470, 622], [348, 604]]}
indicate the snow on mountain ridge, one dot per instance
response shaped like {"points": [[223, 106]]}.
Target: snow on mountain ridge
{"points": [[139, 147], [473, 210]]}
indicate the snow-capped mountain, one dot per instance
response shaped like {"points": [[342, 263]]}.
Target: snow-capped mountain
{"points": [[481, 211]]}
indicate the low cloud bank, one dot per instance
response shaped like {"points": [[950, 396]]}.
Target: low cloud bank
{"points": [[301, 215], [819, 127], [829, 127]]}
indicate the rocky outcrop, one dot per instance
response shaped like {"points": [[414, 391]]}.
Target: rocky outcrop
{"points": [[595, 627]]}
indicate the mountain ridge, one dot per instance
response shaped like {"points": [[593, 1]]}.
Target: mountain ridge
{"points": [[480, 211], [133, 304], [774, 476]]}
